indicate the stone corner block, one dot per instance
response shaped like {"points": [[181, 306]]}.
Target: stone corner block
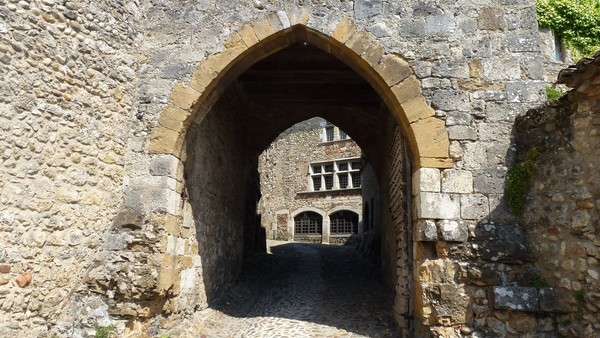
{"points": [[426, 180], [426, 230], [431, 137], [437, 206], [453, 231], [515, 298], [457, 181]]}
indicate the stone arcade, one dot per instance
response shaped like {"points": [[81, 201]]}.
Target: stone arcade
{"points": [[130, 137]]}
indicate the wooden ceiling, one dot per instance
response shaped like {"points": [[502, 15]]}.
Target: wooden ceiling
{"points": [[304, 74]]}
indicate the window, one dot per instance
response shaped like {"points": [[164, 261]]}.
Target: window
{"points": [[308, 223], [329, 133], [344, 222], [332, 133], [339, 174]]}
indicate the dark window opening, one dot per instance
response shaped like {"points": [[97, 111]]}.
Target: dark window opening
{"points": [[344, 222], [328, 182], [317, 183], [356, 180], [308, 223]]}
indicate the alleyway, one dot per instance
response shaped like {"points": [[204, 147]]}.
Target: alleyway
{"points": [[302, 290]]}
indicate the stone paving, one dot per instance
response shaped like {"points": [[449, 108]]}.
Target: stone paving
{"points": [[301, 290]]}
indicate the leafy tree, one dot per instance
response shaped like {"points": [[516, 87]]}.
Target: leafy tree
{"points": [[576, 22]]}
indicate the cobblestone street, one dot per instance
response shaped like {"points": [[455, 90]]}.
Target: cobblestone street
{"points": [[301, 290]]}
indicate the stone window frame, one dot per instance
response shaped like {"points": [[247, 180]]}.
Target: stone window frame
{"points": [[300, 226], [332, 133], [320, 172], [334, 226]]}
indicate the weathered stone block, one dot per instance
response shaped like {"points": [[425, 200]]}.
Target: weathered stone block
{"points": [[129, 218], [474, 206], [165, 141], [393, 69], [450, 100], [426, 180], [262, 29], [248, 36], [174, 118], [437, 271], [364, 9], [462, 133], [440, 24], [525, 91], [408, 89], [550, 301], [457, 181], [343, 30], [515, 298], [164, 165], [432, 137], [437, 206], [491, 18], [183, 96], [453, 231], [416, 108], [426, 230]]}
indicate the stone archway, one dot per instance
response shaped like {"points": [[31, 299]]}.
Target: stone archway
{"points": [[389, 75]]}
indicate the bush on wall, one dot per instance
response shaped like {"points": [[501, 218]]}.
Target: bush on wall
{"points": [[576, 22]]}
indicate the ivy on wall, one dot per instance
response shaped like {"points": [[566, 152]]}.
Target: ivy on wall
{"points": [[576, 22]]}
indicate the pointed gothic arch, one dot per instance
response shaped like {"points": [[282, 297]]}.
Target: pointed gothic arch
{"points": [[389, 75]]}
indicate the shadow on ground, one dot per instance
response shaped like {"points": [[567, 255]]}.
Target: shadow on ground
{"points": [[328, 286]]}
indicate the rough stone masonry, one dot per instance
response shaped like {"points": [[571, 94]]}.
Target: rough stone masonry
{"points": [[121, 121]]}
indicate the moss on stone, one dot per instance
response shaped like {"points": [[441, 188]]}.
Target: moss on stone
{"points": [[517, 181]]}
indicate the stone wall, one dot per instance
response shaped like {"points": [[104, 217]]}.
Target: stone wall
{"points": [[98, 99], [284, 177], [67, 111], [218, 179], [561, 212]]}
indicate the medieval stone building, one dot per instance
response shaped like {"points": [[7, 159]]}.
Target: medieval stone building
{"points": [[311, 185], [130, 141]]}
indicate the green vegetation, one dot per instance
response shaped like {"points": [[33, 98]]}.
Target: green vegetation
{"points": [[517, 181], [538, 282], [553, 93], [580, 296], [104, 331], [576, 22]]}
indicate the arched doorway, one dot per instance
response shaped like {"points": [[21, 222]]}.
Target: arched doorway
{"points": [[220, 123]]}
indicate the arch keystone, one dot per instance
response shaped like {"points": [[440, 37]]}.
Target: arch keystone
{"points": [[393, 69], [298, 16]]}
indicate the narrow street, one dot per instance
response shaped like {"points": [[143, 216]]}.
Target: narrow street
{"points": [[301, 290]]}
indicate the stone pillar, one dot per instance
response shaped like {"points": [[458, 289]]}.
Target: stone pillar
{"points": [[326, 230]]}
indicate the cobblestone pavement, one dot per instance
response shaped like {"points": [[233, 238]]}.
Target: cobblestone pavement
{"points": [[301, 290]]}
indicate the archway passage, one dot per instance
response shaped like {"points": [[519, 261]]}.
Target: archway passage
{"points": [[221, 153]]}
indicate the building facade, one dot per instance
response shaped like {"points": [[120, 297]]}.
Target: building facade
{"points": [[311, 184]]}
